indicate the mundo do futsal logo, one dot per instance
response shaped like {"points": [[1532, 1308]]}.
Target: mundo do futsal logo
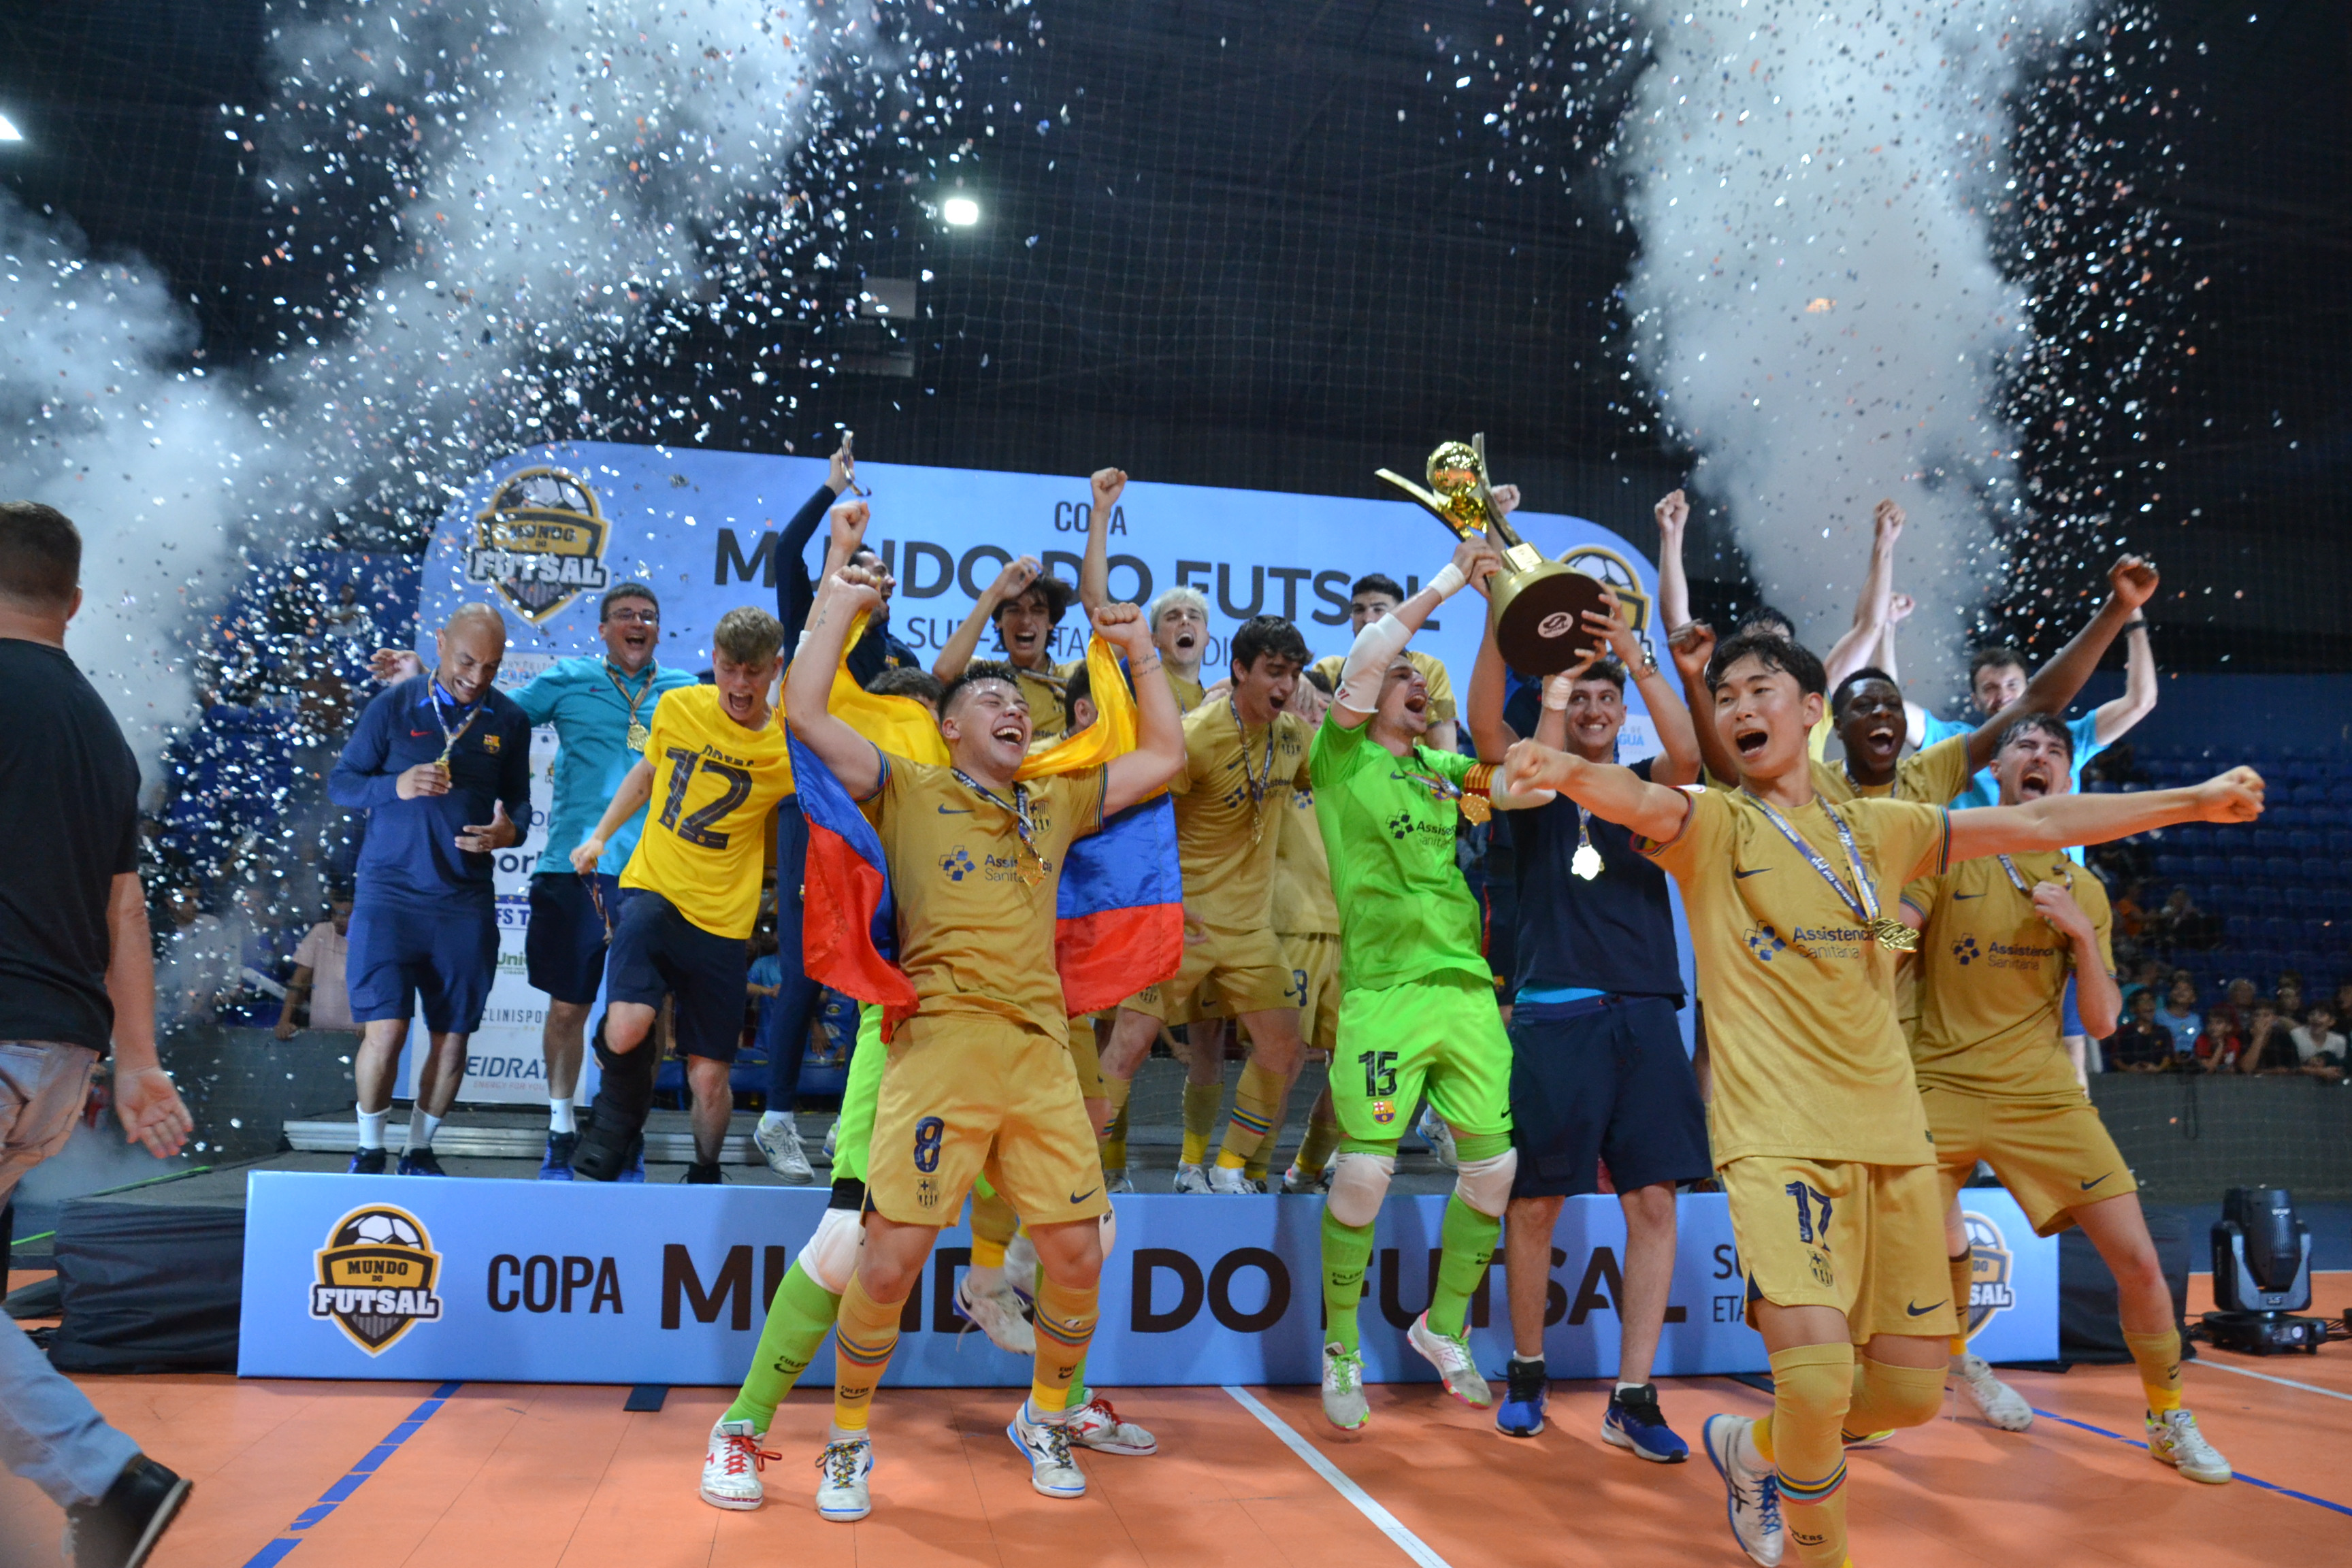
{"points": [[1991, 1287], [540, 543], [376, 1277]]}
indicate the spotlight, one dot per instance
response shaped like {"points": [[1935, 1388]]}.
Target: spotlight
{"points": [[962, 212], [9, 132], [2262, 1275]]}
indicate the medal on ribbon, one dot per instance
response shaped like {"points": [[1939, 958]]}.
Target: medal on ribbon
{"points": [[1257, 786], [1861, 898], [639, 736], [1586, 861], [449, 738], [1033, 869]]}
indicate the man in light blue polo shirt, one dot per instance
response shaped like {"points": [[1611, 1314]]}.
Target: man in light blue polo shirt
{"points": [[1996, 678]]}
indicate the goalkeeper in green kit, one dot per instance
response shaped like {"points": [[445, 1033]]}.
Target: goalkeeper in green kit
{"points": [[1417, 1011]]}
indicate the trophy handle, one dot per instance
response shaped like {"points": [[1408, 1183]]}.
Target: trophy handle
{"points": [[1436, 507]]}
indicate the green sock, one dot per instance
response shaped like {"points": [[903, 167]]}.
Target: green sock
{"points": [[798, 1320], [1078, 1393], [1347, 1251], [1468, 1237]]}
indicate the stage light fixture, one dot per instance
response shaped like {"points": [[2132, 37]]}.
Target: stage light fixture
{"points": [[962, 212], [2262, 1275], [9, 132]]}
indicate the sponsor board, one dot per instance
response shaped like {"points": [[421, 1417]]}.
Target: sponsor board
{"points": [[557, 1282]]}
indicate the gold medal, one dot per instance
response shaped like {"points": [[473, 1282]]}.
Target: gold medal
{"points": [[1895, 934], [1585, 862], [639, 736]]}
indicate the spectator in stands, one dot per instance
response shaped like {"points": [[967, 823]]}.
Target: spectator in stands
{"points": [[2219, 1046], [2288, 994], [2147, 975], [2181, 923], [2267, 1046], [2142, 1044], [2236, 1008], [2178, 1017], [2131, 915], [2319, 1050], [346, 619], [2343, 1008], [320, 975]]}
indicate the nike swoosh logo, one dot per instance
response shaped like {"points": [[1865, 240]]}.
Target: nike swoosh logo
{"points": [[1081, 1197], [955, 811], [1958, 897], [1920, 1311], [418, 734], [2088, 1185], [1743, 876]]}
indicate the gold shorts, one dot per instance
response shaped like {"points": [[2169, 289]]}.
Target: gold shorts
{"points": [[1243, 970], [965, 1095], [1086, 1057], [2053, 1159], [1313, 960], [1865, 1240]]}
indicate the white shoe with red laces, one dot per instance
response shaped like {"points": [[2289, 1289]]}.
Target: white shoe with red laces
{"points": [[730, 1470], [1095, 1425]]}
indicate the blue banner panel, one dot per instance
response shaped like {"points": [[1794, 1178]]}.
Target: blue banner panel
{"points": [[386, 1276]]}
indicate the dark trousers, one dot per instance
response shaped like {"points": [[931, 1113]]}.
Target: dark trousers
{"points": [[783, 1033]]}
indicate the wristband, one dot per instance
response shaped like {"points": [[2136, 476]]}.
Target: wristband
{"points": [[1448, 582], [2139, 624], [1552, 683]]}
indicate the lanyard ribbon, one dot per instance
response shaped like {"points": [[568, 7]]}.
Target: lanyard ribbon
{"points": [[449, 738], [1861, 898], [1258, 786], [638, 734], [1021, 821], [2019, 883]]}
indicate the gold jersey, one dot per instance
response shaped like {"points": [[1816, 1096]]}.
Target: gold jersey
{"points": [[1433, 675], [704, 846], [1303, 904], [1231, 799], [1934, 774], [1993, 978], [1808, 1059], [1048, 719], [1190, 694], [975, 914]]}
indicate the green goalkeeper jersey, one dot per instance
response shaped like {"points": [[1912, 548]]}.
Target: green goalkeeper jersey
{"points": [[1388, 824]]}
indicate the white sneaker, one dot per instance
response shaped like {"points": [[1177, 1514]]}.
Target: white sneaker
{"points": [[1047, 1446], [1294, 1180], [832, 1137], [843, 1468], [1344, 1404], [2173, 1439], [1438, 1135], [1999, 1404], [1450, 1354], [1230, 1181], [1754, 1504], [991, 1306], [1191, 1179], [779, 1144], [731, 1466], [1116, 1182], [1095, 1425], [1021, 1266]]}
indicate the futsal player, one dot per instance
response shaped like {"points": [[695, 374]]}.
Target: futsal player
{"points": [[1024, 604], [715, 764], [1417, 1001], [1598, 1069], [1999, 938], [1820, 1139], [979, 1078], [1242, 758], [1307, 925], [1371, 596], [441, 764]]}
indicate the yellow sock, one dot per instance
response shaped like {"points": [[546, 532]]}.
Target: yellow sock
{"points": [[1257, 1112], [1964, 1268], [864, 1334], [1065, 1323], [1200, 1103], [987, 1252], [1114, 1142], [1261, 1159], [2158, 1359], [1761, 1435], [1812, 1386], [1322, 1138]]}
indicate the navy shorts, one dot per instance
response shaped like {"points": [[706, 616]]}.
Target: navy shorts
{"points": [[446, 955], [2071, 1024], [563, 951], [659, 953], [1603, 1079]]}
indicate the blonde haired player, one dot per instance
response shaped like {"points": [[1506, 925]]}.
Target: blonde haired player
{"points": [[1819, 1136], [1999, 937]]}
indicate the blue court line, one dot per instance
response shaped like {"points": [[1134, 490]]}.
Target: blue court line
{"points": [[352, 1479], [2235, 1473]]}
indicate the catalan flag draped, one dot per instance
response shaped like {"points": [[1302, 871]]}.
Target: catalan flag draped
{"points": [[1120, 915]]}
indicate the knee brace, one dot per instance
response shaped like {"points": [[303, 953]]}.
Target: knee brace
{"points": [[1358, 1183], [624, 1095], [1486, 1185], [831, 1256]]}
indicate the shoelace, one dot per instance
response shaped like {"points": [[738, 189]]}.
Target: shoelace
{"points": [[1098, 1406], [1057, 1444], [1348, 1371], [743, 1450], [1768, 1506], [838, 1463]]}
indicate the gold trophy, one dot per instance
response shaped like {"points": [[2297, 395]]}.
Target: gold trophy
{"points": [[1538, 605]]}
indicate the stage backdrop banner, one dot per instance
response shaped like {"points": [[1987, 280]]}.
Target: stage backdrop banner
{"points": [[373, 1277], [542, 534]]}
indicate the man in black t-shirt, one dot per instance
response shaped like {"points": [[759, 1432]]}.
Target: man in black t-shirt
{"points": [[1598, 1070], [76, 975]]}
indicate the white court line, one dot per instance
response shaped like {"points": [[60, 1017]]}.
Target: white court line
{"points": [[1409, 1543], [2266, 1377]]}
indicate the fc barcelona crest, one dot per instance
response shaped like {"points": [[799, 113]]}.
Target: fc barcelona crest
{"points": [[539, 543]]}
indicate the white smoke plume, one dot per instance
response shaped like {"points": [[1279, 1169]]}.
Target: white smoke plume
{"points": [[160, 466], [1817, 307]]}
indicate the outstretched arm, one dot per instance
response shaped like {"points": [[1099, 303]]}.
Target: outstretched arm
{"points": [[1690, 652], [1673, 512], [636, 788], [2059, 822], [1853, 650], [1159, 723], [2114, 718], [795, 591], [1533, 773], [808, 683], [1377, 645], [1094, 571], [1483, 708], [958, 650], [2055, 683]]}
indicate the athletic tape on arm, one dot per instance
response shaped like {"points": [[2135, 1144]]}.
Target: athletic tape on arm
{"points": [[1376, 648], [1358, 1183], [1486, 1185], [831, 1256]]}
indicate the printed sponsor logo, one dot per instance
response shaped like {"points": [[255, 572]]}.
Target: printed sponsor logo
{"points": [[376, 1277]]}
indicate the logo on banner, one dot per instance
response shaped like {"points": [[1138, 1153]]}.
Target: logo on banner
{"points": [[1990, 1288], [540, 543], [376, 1276], [1600, 561]]}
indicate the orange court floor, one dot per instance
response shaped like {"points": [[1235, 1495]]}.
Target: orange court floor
{"points": [[513, 1475]]}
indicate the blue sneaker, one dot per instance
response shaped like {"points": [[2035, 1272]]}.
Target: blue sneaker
{"points": [[1635, 1421], [365, 1162], [420, 1163], [1528, 1390], [557, 1166], [634, 1171]]}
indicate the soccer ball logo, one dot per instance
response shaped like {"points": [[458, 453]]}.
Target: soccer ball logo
{"points": [[956, 864], [1965, 950], [1765, 943]]}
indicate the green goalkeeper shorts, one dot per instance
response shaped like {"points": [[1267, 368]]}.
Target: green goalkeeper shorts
{"points": [[1442, 1037]]}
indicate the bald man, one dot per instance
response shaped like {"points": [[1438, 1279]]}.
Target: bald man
{"points": [[441, 764]]}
